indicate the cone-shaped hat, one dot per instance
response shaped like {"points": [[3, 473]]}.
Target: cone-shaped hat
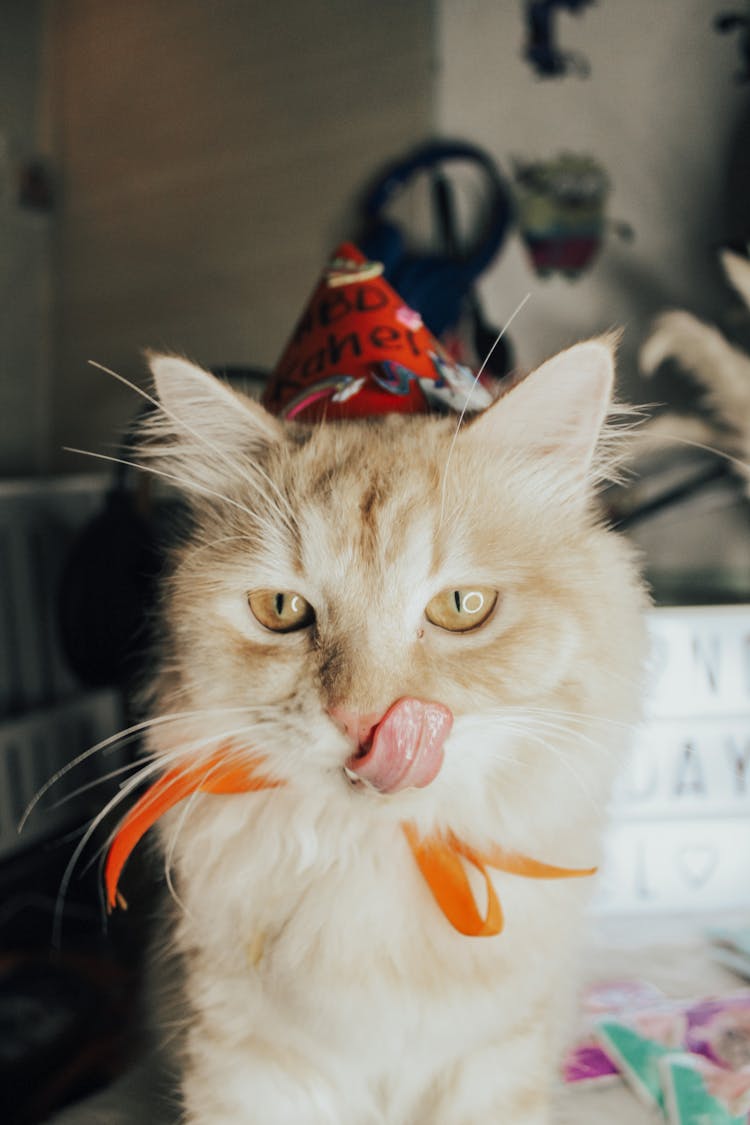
{"points": [[359, 350]]}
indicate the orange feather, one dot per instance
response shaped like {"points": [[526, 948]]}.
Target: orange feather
{"points": [[218, 774], [438, 857]]}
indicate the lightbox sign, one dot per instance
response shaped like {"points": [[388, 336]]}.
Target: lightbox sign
{"points": [[680, 833]]}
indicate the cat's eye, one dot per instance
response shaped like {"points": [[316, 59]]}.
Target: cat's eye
{"points": [[283, 611], [459, 611]]}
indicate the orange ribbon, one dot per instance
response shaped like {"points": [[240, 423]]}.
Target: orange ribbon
{"points": [[439, 860], [217, 774], [438, 857]]}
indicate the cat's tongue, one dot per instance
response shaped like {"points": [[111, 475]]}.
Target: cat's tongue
{"points": [[406, 750]]}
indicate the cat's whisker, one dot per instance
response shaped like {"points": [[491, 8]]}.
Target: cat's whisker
{"points": [[185, 482], [684, 513], [67, 875], [502, 757], [101, 779], [153, 767], [264, 485], [165, 758], [558, 753], [211, 544], [169, 853], [557, 728], [201, 438], [678, 439], [469, 393], [576, 716], [119, 738]]}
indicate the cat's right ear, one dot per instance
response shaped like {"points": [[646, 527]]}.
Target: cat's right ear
{"points": [[556, 413], [200, 407], [204, 431]]}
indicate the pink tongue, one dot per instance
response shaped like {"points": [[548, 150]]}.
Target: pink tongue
{"points": [[407, 746]]}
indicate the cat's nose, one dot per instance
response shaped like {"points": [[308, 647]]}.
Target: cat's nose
{"points": [[357, 725]]}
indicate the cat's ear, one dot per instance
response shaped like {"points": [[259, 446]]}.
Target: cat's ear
{"points": [[201, 407], [557, 411], [205, 436]]}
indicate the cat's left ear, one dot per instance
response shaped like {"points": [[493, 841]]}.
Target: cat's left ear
{"points": [[556, 412]]}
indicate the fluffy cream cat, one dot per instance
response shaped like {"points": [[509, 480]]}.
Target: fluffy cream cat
{"points": [[332, 572]]}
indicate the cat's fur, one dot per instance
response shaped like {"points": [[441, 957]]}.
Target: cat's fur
{"points": [[321, 982]]}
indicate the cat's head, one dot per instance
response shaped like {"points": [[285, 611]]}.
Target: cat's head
{"points": [[336, 570]]}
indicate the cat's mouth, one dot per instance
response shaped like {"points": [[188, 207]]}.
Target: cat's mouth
{"points": [[404, 750]]}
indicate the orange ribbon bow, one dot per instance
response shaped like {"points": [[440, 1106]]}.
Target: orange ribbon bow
{"points": [[438, 857], [439, 860]]}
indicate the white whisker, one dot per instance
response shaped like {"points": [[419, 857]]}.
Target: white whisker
{"points": [[123, 736], [153, 767], [677, 439], [462, 415], [201, 438], [558, 753], [161, 473]]}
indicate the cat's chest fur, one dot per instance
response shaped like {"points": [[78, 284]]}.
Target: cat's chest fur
{"points": [[351, 951]]}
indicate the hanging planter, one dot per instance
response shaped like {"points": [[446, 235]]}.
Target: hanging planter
{"points": [[561, 211]]}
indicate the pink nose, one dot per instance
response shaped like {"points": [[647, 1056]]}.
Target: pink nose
{"points": [[357, 725]]}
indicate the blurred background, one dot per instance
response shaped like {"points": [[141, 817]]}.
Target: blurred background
{"points": [[174, 175]]}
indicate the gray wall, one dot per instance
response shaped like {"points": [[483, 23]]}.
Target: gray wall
{"points": [[25, 245], [210, 152], [663, 113], [659, 110]]}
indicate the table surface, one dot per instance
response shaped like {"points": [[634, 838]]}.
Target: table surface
{"points": [[669, 953]]}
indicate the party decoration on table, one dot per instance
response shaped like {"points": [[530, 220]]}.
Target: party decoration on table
{"points": [[541, 49], [636, 1044], [730, 946], [561, 208], [586, 1062], [698, 1093], [359, 350], [689, 1061]]}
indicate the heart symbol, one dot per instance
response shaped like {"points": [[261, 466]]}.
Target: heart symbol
{"points": [[698, 863]]}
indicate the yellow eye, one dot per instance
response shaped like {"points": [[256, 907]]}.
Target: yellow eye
{"points": [[461, 610], [283, 611]]}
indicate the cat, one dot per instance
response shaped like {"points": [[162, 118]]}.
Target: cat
{"points": [[411, 623]]}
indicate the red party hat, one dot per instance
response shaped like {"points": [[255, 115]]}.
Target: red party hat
{"points": [[359, 350]]}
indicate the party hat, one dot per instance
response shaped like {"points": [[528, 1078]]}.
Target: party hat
{"points": [[358, 350]]}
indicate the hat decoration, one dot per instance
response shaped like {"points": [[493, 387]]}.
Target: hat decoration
{"points": [[359, 350]]}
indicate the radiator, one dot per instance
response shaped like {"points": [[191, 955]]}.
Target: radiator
{"points": [[46, 718]]}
